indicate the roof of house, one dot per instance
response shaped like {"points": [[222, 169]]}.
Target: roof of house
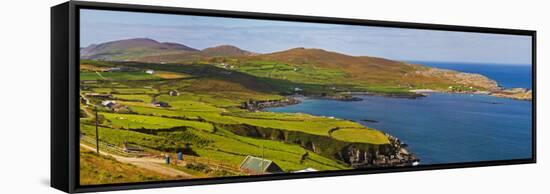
{"points": [[255, 164], [108, 103], [306, 170]]}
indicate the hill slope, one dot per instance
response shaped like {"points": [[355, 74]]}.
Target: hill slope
{"points": [[225, 50], [303, 65], [131, 48], [316, 67]]}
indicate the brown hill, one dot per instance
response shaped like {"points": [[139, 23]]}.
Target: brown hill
{"points": [[379, 71], [329, 59], [129, 48], [317, 66], [225, 50]]}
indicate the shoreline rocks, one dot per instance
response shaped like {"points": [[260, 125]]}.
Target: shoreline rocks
{"points": [[369, 120], [349, 98], [460, 78], [394, 155], [259, 105], [410, 95], [514, 93]]}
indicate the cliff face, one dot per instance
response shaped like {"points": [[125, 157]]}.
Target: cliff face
{"points": [[394, 154], [356, 155]]}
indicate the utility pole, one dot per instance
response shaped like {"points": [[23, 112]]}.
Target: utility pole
{"points": [[263, 160], [96, 130]]}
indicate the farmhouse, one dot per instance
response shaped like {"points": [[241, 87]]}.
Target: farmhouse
{"points": [[118, 69], [305, 170], [224, 65], [114, 106], [256, 165], [161, 104], [150, 71], [108, 103], [98, 95], [173, 93]]}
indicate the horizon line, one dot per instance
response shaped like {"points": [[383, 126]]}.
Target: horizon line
{"points": [[394, 59]]}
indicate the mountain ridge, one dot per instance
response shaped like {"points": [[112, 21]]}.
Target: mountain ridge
{"points": [[225, 50], [137, 48], [364, 70]]}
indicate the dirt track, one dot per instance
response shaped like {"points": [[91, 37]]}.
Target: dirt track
{"points": [[152, 164]]}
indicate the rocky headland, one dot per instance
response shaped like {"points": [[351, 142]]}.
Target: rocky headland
{"points": [[514, 93]]}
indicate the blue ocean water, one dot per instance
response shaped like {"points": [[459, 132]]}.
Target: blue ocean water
{"points": [[508, 76], [440, 128]]}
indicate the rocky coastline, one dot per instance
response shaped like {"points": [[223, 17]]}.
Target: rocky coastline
{"points": [[512, 93], [408, 95], [349, 98], [259, 105], [394, 155], [356, 155]]}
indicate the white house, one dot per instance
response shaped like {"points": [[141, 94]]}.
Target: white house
{"points": [[150, 71], [173, 93], [306, 170], [108, 103]]}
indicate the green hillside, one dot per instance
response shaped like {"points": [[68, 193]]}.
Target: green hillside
{"points": [[198, 100]]}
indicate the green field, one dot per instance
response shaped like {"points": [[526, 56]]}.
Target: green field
{"points": [[206, 114], [130, 121]]}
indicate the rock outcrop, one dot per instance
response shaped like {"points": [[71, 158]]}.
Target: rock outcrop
{"points": [[461, 78], [514, 93], [395, 154], [257, 105]]}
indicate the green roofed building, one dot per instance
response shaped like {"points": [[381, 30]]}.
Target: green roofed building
{"points": [[255, 165]]}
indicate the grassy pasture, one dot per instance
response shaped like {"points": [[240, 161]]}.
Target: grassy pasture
{"points": [[150, 122], [303, 73], [360, 135], [207, 105], [223, 146]]}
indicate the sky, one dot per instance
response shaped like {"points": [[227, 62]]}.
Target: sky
{"points": [[265, 36]]}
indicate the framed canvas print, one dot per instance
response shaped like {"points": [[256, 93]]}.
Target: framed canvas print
{"points": [[146, 96]]}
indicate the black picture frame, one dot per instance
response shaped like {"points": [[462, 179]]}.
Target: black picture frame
{"points": [[65, 106]]}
